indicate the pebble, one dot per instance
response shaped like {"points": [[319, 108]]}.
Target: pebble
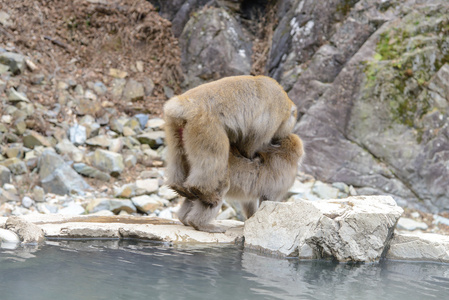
{"points": [[410, 224]]}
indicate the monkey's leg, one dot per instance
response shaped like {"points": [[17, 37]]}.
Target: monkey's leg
{"points": [[206, 145], [201, 215], [250, 207], [177, 165], [185, 208]]}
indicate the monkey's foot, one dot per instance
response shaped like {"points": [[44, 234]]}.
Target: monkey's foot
{"points": [[208, 228]]}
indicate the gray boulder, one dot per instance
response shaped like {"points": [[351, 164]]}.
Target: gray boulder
{"points": [[57, 177], [382, 124], [356, 229], [213, 46], [28, 232]]}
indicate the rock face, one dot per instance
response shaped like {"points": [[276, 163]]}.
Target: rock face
{"points": [[355, 229], [214, 46], [380, 121]]}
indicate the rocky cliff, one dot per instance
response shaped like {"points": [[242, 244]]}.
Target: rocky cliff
{"points": [[370, 78]]}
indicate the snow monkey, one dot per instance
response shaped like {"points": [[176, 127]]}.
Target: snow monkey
{"points": [[244, 112]]}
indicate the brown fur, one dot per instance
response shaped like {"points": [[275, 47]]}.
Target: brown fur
{"points": [[267, 177], [201, 125]]}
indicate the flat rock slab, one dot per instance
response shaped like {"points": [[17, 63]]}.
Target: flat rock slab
{"points": [[356, 229], [116, 227], [419, 246]]}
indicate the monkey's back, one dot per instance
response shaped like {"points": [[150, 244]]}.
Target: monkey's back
{"points": [[251, 108]]}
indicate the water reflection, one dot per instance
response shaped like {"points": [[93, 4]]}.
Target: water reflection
{"points": [[134, 270]]}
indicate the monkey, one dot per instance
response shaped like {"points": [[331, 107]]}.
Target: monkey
{"points": [[266, 177], [247, 112]]}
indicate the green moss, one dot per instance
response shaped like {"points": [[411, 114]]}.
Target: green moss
{"points": [[406, 58]]}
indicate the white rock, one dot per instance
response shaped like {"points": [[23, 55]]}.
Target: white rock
{"points": [[27, 202], [7, 236], [439, 219], [72, 209], [419, 246], [148, 204], [78, 134], [410, 225], [354, 229], [147, 186], [325, 191]]}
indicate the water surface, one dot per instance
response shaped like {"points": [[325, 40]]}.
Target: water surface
{"points": [[136, 270]]}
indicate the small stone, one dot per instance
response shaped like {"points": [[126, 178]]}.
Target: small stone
{"points": [[65, 147], [410, 224], [147, 204], [118, 85], [100, 88], [116, 145], [6, 195], [133, 91], [147, 186], [99, 141], [5, 175], [166, 213], [88, 105], [325, 191], [128, 131], [116, 73], [118, 205], [155, 124], [148, 86], [15, 61], [38, 194], [130, 160], [125, 191], [168, 91], [72, 209], [37, 79], [139, 66], [32, 139], [155, 138], [415, 214], [439, 219], [91, 172], [15, 165], [5, 19], [109, 162], [114, 205], [14, 150], [77, 134], [27, 202], [9, 237], [143, 119], [15, 96], [88, 94]]}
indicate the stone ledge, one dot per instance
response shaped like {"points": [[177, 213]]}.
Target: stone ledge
{"points": [[419, 246], [116, 227]]}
